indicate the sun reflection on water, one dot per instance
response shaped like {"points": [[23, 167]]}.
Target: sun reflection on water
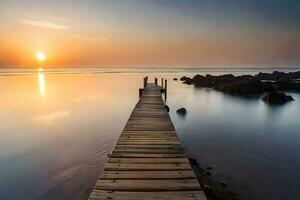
{"points": [[42, 82]]}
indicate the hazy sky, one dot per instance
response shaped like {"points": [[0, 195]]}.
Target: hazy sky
{"points": [[169, 33]]}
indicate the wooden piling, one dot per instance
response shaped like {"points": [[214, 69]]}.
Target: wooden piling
{"points": [[166, 86], [141, 90], [155, 80], [145, 81]]}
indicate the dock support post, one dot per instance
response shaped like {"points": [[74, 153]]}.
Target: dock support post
{"points": [[145, 81], [162, 83], [166, 86], [141, 90], [155, 79]]}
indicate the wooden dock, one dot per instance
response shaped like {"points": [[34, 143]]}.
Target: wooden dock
{"points": [[148, 161]]}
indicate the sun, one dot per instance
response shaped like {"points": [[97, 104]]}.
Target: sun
{"points": [[40, 56]]}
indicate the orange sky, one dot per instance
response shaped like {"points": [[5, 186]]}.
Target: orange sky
{"points": [[104, 34]]}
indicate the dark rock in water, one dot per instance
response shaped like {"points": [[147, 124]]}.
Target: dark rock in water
{"points": [[209, 168], [245, 87], [181, 111], [183, 78], [271, 76], [212, 188], [294, 75], [277, 98], [287, 83], [188, 81], [193, 161], [175, 79], [208, 173], [167, 108], [247, 84]]}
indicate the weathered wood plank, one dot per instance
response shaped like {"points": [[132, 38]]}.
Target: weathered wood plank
{"points": [[140, 146], [148, 160], [146, 155], [148, 185], [142, 175], [123, 195], [145, 167], [146, 133], [144, 142], [151, 151]]}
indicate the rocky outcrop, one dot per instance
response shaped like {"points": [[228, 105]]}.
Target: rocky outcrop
{"points": [[247, 84], [277, 98]]}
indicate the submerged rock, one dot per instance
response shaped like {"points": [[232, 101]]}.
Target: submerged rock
{"points": [[181, 111], [175, 79], [277, 98], [211, 187]]}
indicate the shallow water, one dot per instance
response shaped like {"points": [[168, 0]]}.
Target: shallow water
{"points": [[57, 128]]}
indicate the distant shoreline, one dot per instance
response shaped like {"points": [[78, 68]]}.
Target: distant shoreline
{"points": [[7, 71]]}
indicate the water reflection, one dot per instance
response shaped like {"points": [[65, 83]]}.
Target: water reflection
{"points": [[87, 112], [42, 82]]}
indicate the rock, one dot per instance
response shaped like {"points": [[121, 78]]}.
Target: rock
{"points": [[271, 77], [188, 81], [245, 87], [175, 79], [247, 84], [181, 111], [193, 161], [208, 173], [277, 98], [183, 78], [294, 75], [209, 168]]}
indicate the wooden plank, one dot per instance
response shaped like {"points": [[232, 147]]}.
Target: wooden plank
{"points": [[148, 185], [144, 142], [150, 137], [142, 175], [148, 160], [149, 151], [148, 140], [140, 146], [146, 133], [146, 155], [145, 167], [123, 195]]}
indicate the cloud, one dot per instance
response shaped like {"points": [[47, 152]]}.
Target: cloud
{"points": [[97, 39], [49, 23]]}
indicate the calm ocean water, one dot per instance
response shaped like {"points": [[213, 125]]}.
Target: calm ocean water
{"points": [[57, 127]]}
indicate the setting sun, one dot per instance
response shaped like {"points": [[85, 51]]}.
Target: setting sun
{"points": [[40, 56]]}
